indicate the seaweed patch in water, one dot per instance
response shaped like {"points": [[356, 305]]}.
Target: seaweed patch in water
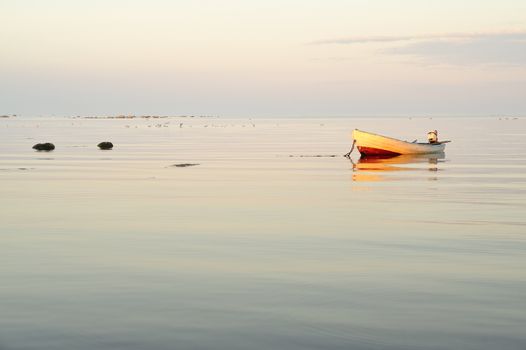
{"points": [[184, 165], [15, 169]]}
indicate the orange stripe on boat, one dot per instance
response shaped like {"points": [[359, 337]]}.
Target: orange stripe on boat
{"points": [[376, 152]]}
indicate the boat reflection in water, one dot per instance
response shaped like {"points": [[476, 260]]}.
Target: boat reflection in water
{"points": [[389, 168]]}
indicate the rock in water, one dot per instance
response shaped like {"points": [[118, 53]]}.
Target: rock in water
{"points": [[105, 145], [44, 146]]}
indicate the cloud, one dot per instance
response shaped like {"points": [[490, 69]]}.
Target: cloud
{"points": [[519, 35], [504, 48]]}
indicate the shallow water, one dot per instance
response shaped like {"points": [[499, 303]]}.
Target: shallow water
{"points": [[272, 241]]}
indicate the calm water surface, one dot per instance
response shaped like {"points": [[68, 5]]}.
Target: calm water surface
{"points": [[268, 243]]}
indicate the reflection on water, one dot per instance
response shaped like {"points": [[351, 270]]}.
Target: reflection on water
{"points": [[367, 168]]}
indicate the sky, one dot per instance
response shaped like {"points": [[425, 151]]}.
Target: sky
{"points": [[263, 58]]}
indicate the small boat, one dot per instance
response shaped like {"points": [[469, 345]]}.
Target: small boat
{"points": [[374, 145]]}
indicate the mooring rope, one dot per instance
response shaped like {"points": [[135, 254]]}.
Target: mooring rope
{"points": [[348, 154]]}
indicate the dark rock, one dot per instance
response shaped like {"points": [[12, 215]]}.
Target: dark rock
{"points": [[44, 147], [105, 145]]}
